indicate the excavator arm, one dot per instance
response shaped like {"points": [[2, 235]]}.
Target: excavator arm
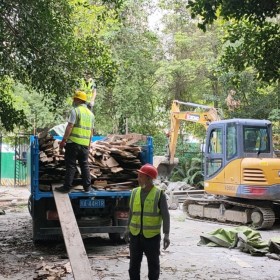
{"points": [[202, 114], [209, 114]]}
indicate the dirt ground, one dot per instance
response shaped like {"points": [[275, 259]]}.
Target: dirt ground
{"points": [[184, 259]]}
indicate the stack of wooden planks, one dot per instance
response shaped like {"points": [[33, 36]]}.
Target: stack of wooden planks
{"points": [[113, 161]]}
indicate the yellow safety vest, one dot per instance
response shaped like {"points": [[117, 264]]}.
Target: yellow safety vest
{"points": [[81, 131], [150, 213]]}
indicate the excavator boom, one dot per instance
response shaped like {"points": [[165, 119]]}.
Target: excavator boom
{"points": [[201, 114]]}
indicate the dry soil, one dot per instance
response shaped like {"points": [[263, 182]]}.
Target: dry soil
{"points": [[184, 259]]}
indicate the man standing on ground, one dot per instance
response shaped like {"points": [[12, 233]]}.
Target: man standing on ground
{"points": [[76, 140], [148, 210]]}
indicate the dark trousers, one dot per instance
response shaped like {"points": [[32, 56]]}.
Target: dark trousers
{"points": [[74, 152], [151, 248]]}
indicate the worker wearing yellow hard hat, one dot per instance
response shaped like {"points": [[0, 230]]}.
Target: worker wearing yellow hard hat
{"points": [[87, 92], [80, 95], [76, 141]]}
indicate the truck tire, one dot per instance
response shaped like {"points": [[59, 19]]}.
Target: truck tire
{"points": [[39, 220], [30, 206], [115, 237], [118, 237]]}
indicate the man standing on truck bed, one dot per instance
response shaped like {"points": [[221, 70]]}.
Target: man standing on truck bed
{"points": [[76, 140], [148, 209]]}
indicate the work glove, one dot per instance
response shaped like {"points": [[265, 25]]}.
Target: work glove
{"points": [[166, 241]]}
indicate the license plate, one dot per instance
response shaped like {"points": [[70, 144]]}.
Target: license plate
{"points": [[92, 203]]}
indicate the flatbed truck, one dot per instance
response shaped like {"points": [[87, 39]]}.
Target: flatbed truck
{"points": [[100, 211]]}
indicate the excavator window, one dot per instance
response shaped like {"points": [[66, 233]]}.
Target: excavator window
{"points": [[216, 146], [215, 149], [231, 141], [250, 141], [256, 139]]}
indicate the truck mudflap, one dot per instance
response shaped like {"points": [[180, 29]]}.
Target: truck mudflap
{"points": [[226, 210]]}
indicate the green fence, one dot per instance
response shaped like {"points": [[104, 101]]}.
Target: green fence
{"points": [[7, 168], [13, 163]]}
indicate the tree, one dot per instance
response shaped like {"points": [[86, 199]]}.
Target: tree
{"points": [[253, 37], [9, 114], [40, 48], [247, 97], [133, 97], [190, 70]]}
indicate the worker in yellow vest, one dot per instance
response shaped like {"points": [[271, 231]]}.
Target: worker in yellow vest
{"points": [[76, 141], [148, 212]]}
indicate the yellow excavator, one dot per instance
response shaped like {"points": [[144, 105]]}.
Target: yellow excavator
{"points": [[201, 114], [241, 172]]}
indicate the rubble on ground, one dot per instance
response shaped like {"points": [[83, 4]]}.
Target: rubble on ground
{"points": [[176, 192]]}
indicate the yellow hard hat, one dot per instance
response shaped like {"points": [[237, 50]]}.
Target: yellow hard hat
{"points": [[80, 95]]}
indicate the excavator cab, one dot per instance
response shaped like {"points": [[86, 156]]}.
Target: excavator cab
{"points": [[229, 146]]}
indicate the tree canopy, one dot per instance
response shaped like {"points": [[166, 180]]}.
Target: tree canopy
{"points": [[40, 48], [253, 37], [49, 48]]}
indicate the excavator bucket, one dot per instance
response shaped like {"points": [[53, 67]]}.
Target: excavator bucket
{"points": [[164, 166]]}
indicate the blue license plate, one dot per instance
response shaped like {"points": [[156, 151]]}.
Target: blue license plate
{"points": [[92, 203]]}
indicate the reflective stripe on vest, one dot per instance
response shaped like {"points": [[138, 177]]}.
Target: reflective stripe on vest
{"points": [[81, 131], [151, 213]]}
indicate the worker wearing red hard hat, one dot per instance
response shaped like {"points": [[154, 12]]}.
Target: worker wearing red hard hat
{"points": [[148, 213], [76, 141]]}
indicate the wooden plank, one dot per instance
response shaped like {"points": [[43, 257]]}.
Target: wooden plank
{"points": [[72, 237], [110, 162]]}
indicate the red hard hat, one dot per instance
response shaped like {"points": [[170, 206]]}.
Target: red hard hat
{"points": [[149, 170]]}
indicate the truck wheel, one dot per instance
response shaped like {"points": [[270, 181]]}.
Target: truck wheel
{"points": [[115, 237], [47, 240], [118, 237], [30, 206]]}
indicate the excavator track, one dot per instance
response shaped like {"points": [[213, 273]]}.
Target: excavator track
{"points": [[225, 210]]}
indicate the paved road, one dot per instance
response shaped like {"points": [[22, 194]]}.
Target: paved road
{"points": [[183, 259]]}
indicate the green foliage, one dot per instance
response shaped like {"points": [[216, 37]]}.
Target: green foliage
{"points": [[49, 47], [39, 44], [253, 33], [160, 142], [274, 117], [41, 49], [36, 109], [10, 115], [132, 103], [254, 45], [190, 71], [253, 10], [190, 167], [189, 171], [24, 110], [254, 97]]}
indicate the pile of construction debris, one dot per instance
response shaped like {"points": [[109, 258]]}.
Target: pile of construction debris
{"points": [[177, 192], [113, 161], [52, 272]]}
